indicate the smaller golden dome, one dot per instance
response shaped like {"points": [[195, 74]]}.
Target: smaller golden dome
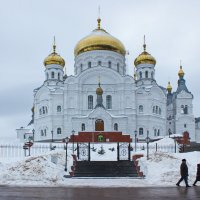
{"points": [[169, 87], [181, 72], [99, 90], [54, 58], [145, 57]]}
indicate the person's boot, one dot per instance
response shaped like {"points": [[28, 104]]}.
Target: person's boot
{"points": [[188, 186], [194, 184], [177, 184]]}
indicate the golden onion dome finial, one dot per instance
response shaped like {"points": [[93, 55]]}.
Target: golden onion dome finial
{"points": [[181, 72], [54, 58], [145, 57], [169, 87], [99, 90]]}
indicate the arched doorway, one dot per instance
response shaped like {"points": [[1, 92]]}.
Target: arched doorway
{"points": [[99, 125]]}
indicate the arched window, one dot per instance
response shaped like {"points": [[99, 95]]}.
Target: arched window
{"points": [[159, 111], [52, 74], [45, 132], [155, 132], [81, 67], [154, 109], [43, 110], [58, 130], [83, 127], [41, 132], [46, 110], [158, 133], [58, 76], [182, 109], [140, 109], [90, 102], [89, 64], [140, 74], [99, 62], [117, 67], [152, 75], [140, 131], [186, 109], [109, 102], [109, 64], [146, 74], [47, 76], [58, 108], [115, 127]]}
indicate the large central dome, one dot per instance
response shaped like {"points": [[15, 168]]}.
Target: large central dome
{"points": [[99, 39]]}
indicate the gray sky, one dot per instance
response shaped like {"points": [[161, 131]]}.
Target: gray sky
{"points": [[172, 30]]}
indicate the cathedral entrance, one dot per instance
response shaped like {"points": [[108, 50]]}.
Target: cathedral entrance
{"points": [[99, 125]]}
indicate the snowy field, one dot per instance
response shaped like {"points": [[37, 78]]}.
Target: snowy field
{"points": [[162, 169]]}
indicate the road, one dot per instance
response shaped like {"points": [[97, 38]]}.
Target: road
{"points": [[85, 193]]}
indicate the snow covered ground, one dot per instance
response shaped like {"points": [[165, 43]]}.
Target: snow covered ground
{"points": [[162, 169]]}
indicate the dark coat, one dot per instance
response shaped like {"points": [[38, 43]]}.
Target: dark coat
{"points": [[184, 169], [198, 172]]}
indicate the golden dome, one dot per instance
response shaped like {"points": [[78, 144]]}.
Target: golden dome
{"points": [[54, 58], [99, 90], [99, 39], [145, 57], [169, 87], [181, 72]]}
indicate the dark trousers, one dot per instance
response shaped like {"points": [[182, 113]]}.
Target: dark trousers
{"points": [[185, 178]]}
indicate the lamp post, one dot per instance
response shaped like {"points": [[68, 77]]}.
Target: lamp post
{"points": [[66, 140], [73, 131], [135, 139], [52, 136], [33, 131], [147, 141], [169, 132]]}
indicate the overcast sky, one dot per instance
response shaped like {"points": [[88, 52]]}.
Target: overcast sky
{"points": [[172, 30]]}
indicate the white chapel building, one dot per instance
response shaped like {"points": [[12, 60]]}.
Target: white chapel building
{"points": [[101, 96]]}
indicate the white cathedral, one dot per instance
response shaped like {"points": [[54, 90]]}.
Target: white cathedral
{"points": [[100, 96]]}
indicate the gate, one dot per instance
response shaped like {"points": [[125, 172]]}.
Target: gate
{"points": [[123, 151], [83, 151]]}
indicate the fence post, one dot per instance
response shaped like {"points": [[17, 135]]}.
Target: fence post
{"points": [[156, 147], [129, 151], [118, 151], [78, 150], [89, 151]]}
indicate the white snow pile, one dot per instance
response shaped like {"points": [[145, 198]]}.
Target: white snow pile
{"points": [[162, 169]]}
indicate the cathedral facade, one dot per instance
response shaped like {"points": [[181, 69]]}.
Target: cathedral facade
{"points": [[100, 96]]}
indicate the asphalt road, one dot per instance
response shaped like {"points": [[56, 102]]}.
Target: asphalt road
{"points": [[57, 193]]}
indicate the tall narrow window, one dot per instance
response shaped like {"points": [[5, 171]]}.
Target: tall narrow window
{"points": [[40, 111], [43, 110], [83, 127], [155, 132], [81, 67], [117, 67], [109, 102], [140, 131], [58, 131], [58, 76], [45, 132], [109, 64], [140, 109], [158, 133], [116, 127], [140, 74], [152, 75], [182, 109], [146, 74], [52, 74], [89, 64], [41, 132], [99, 62], [58, 108], [186, 109], [47, 76], [154, 109], [90, 102], [46, 110], [159, 111]]}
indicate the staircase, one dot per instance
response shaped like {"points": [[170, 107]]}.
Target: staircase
{"points": [[105, 169]]}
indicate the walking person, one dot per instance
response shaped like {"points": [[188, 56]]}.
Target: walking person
{"points": [[198, 175], [184, 173]]}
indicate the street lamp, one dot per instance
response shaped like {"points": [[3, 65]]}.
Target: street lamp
{"points": [[52, 136], [73, 131], [147, 141], [135, 138], [33, 131], [66, 140]]}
